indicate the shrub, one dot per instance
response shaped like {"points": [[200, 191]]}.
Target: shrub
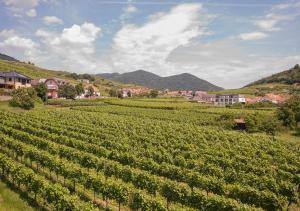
{"points": [[23, 98]]}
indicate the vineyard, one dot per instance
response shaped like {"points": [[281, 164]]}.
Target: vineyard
{"points": [[145, 155]]}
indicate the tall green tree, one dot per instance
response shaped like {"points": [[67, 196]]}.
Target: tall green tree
{"points": [[289, 112], [68, 91], [90, 91], [41, 91], [79, 89]]}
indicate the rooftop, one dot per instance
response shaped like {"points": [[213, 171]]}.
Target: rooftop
{"points": [[13, 74]]}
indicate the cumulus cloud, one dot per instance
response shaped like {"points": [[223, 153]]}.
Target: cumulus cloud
{"points": [[51, 20], [23, 48], [73, 48], [148, 46], [253, 36]]}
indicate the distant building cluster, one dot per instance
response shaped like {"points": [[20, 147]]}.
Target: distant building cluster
{"points": [[14, 80], [129, 92], [272, 98]]}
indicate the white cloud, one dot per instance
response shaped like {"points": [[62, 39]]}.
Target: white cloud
{"points": [[24, 4], [18, 46], [128, 12], [288, 5], [31, 13], [73, 48], [6, 33], [49, 20], [19, 7], [232, 69], [148, 46], [253, 36], [131, 9], [277, 15]]}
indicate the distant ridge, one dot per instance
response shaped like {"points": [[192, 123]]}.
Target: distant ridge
{"points": [[7, 58], [290, 76], [184, 81]]}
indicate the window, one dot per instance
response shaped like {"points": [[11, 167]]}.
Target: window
{"points": [[19, 79], [9, 79]]}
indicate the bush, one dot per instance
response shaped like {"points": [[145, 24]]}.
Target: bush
{"points": [[153, 93], [262, 123], [23, 98]]}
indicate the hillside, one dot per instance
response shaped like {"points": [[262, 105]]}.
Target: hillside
{"points": [[8, 58], [290, 76], [35, 72], [183, 81]]}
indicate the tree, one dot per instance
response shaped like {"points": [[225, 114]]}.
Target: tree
{"points": [[23, 98], [113, 93], [153, 93], [129, 94], [90, 91], [79, 89], [68, 91], [41, 91], [289, 112]]}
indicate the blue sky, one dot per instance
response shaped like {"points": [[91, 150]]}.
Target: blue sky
{"points": [[230, 42]]}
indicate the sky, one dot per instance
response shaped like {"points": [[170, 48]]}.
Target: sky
{"points": [[229, 43]]}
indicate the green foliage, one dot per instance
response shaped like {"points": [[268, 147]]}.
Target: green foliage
{"points": [[42, 92], [153, 93], [289, 112], [265, 123], [79, 89], [113, 93], [151, 159], [67, 91], [82, 76], [90, 91], [23, 98]]}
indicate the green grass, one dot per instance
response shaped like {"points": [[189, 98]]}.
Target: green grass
{"points": [[250, 91], [11, 201]]}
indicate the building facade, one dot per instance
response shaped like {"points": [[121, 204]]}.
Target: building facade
{"points": [[229, 99], [14, 80], [219, 99]]}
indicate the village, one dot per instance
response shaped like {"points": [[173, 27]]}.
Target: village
{"points": [[14, 80]]}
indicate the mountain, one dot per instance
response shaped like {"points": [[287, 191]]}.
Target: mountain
{"points": [[7, 58], [183, 81], [290, 76]]}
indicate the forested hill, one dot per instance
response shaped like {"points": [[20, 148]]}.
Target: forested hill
{"points": [[290, 76], [183, 81]]}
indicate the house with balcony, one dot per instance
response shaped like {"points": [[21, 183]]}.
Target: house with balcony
{"points": [[14, 80], [52, 85]]}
